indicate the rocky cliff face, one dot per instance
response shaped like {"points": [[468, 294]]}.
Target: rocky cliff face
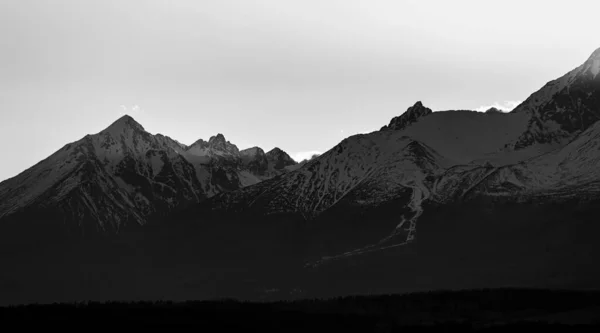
{"points": [[412, 114]]}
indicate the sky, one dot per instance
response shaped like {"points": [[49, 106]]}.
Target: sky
{"points": [[299, 75]]}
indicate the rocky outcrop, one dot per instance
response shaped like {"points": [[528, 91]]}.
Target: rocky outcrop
{"points": [[411, 115]]}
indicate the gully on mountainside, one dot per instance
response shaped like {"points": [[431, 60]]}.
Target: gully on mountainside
{"points": [[420, 193]]}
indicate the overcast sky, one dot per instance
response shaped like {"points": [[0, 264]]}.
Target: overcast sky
{"points": [[301, 75]]}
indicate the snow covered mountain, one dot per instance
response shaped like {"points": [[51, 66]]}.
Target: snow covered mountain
{"points": [[439, 199], [267, 165], [216, 146], [443, 158], [119, 176], [568, 172], [564, 107], [125, 176], [255, 160], [279, 159]]}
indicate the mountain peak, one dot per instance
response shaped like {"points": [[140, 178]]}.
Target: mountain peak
{"points": [[592, 65], [199, 142], [280, 158], [217, 138], [411, 115], [570, 101], [595, 54], [124, 123], [253, 151]]}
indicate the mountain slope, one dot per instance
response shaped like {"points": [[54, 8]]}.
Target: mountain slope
{"points": [[565, 173], [438, 157], [362, 173], [125, 175], [121, 175], [563, 107]]}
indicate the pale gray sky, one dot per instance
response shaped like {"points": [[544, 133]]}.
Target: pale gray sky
{"points": [[301, 75]]}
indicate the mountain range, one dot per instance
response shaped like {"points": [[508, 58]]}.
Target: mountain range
{"points": [[435, 199], [127, 176]]}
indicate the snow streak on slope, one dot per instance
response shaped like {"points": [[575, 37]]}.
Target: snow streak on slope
{"points": [[400, 236]]}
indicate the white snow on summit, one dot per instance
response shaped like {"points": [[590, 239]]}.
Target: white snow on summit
{"points": [[593, 63]]}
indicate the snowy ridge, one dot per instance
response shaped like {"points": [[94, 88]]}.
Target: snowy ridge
{"points": [[122, 174], [372, 169], [564, 107], [379, 162], [546, 148], [558, 175], [557, 172], [125, 175]]}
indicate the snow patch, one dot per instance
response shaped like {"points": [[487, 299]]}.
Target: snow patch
{"points": [[595, 67], [247, 178], [157, 164]]}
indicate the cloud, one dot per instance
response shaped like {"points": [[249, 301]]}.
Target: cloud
{"points": [[135, 110], [365, 131], [304, 155], [504, 106]]}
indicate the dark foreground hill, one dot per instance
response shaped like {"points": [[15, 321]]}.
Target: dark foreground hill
{"points": [[489, 310]]}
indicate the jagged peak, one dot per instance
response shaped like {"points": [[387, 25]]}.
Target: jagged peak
{"points": [[418, 105], [280, 158], [219, 137], [411, 115], [279, 153]]}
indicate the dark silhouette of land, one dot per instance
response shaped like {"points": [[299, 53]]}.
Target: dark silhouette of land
{"points": [[488, 310]]}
